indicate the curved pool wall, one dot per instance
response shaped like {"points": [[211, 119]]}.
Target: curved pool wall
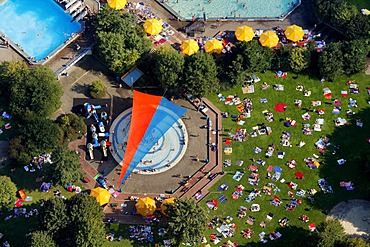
{"points": [[167, 152], [37, 29], [231, 10]]}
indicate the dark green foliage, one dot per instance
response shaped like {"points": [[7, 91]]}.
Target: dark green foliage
{"points": [[41, 239], [98, 90], [330, 233], [255, 57], [282, 59], [36, 136], [54, 218], [299, 59], [331, 62], [236, 73], [200, 74], [72, 125], [8, 191], [354, 54], [31, 92], [186, 221], [86, 221], [168, 68], [75, 222], [120, 42], [66, 166]]}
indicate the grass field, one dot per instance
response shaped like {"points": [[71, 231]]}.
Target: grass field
{"points": [[352, 141], [14, 230], [360, 4]]}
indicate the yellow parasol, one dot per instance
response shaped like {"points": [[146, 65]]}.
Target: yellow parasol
{"points": [[117, 4], [102, 195], [213, 45], [153, 26], [294, 33], [244, 33], [189, 47], [165, 202], [145, 206], [269, 39]]}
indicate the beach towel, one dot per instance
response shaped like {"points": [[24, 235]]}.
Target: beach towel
{"points": [[280, 107]]}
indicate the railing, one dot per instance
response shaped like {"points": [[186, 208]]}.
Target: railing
{"points": [[74, 61]]}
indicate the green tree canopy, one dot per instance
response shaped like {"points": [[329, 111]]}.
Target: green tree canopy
{"points": [[8, 191], [66, 166], [120, 42], [32, 92], [98, 89], [200, 74], [331, 61], [331, 232], [41, 239], [72, 126], [235, 72], [74, 222], [255, 57], [299, 59], [168, 68], [86, 221], [186, 221], [354, 54], [35, 137]]}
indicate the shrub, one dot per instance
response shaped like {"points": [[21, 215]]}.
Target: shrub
{"points": [[98, 90]]}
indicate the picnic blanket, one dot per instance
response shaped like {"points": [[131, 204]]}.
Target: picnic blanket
{"points": [[280, 107], [238, 175]]}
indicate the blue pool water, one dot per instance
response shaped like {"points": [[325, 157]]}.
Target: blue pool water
{"points": [[38, 26], [238, 9]]}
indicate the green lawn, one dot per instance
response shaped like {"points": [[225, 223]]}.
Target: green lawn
{"points": [[14, 230], [360, 4], [349, 137]]}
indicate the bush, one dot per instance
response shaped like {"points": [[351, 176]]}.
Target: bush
{"points": [[98, 90], [72, 126]]}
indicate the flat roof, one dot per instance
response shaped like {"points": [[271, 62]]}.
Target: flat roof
{"points": [[131, 76]]}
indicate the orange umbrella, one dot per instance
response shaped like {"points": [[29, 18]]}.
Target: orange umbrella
{"points": [[145, 206], [269, 39]]}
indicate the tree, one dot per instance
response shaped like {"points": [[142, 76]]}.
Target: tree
{"points": [[354, 54], [72, 126], [86, 221], [330, 233], [358, 27], [36, 136], [299, 59], [331, 61], [342, 12], [236, 73], [281, 59], [66, 166], [186, 221], [41, 239], [75, 222], [355, 242], [255, 57], [98, 89], [54, 218], [8, 191], [200, 74], [32, 92], [169, 65], [120, 42]]}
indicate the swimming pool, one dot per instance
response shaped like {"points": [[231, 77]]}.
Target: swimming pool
{"points": [[231, 9], [36, 28]]}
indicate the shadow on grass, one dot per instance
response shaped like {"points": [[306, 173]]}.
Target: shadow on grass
{"points": [[354, 147]]}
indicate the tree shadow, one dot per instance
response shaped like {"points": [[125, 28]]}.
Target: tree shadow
{"points": [[81, 89], [352, 145]]}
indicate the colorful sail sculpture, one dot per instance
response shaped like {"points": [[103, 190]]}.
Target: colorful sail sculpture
{"points": [[151, 117]]}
